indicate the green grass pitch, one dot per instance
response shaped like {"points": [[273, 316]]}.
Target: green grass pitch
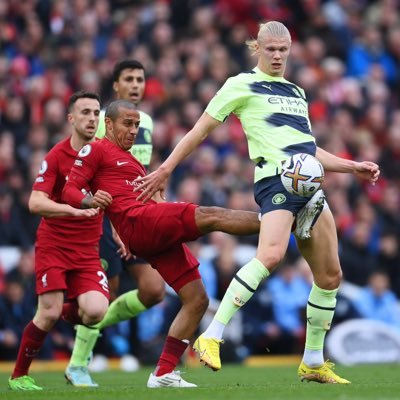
{"points": [[377, 382]]}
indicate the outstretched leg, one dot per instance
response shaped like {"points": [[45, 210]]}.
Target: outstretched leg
{"points": [[234, 222]]}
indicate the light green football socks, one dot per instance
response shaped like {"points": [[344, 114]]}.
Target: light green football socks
{"points": [[122, 308], [320, 310], [240, 290], [85, 340]]}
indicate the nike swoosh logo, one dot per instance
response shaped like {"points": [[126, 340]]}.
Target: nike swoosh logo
{"points": [[201, 353], [119, 163]]}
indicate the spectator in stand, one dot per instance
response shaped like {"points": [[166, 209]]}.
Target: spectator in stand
{"points": [[356, 247], [376, 300], [389, 258], [275, 319], [12, 232], [15, 119], [16, 310], [289, 293], [390, 157], [24, 272], [224, 263], [368, 51], [388, 208]]}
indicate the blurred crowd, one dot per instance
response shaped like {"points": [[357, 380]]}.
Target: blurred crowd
{"points": [[345, 54]]}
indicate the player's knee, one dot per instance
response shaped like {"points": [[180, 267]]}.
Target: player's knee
{"points": [[94, 314], [48, 316], [271, 259], [152, 295], [334, 278], [329, 280]]}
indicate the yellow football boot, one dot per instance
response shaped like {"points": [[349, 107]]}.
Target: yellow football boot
{"points": [[322, 374], [208, 350]]}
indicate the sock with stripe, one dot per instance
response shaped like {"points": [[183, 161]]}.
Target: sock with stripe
{"points": [[320, 310], [240, 290]]}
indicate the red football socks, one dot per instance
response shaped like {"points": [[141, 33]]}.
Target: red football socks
{"points": [[31, 342], [70, 313], [170, 356]]}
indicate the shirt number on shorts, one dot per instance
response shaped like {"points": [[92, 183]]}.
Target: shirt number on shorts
{"points": [[103, 281]]}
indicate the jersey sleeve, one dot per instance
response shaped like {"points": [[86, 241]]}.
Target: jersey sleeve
{"points": [[225, 101], [83, 170], [47, 174]]}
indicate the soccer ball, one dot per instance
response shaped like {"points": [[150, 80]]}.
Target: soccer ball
{"points": [[302, 174]]}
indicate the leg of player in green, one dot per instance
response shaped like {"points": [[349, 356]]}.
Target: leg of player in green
{"points": [[320, 251]]}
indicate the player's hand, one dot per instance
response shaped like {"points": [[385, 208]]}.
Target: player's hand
{"points": [[367, 170], [124, 252], [101, 199], [150, 184], [87, 212]]}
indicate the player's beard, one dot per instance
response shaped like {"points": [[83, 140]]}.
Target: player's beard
{"points": [[86, 136]]}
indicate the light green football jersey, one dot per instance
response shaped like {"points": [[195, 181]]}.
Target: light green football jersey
{"points": [[274, 116], [143, 146]]}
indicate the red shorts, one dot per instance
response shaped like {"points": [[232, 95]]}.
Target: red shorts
{"points": [[158, 232], [65, 269]]}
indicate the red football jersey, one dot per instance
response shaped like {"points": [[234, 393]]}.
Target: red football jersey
{"points": [[68, 232], [104, 165]]}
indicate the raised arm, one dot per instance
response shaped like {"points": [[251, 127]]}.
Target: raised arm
{"points": [[40, 203], [72, 194], [157, 180], [365, 169]]}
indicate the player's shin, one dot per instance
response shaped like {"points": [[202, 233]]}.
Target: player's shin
{"points": [[239, 222], [31, 343], [170, 356], [320, 310], [240, 290]]}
